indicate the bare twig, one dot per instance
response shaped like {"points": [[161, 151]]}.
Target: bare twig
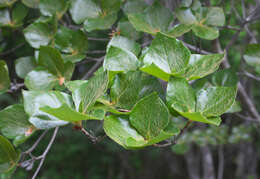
{"points": [[12, 49], [173, 142], [250, 75], [36, 143], [43, 156], [15, 87], [94, 139], [92, 70]]}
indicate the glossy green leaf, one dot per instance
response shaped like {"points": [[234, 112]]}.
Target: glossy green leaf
{"points": [[118, 59], [202, 65], [168, 55], [34, 100], [155, 18], [38, 34], [4, 77], [179, 30], [40, 79], [53, 7], [205, 32], [31, 3], [129, 88], [180, 95], [215, 101], [126, 29], [199, 117], [87, 94], [8, 155], [14, 124], [119, 129], [24, 65], [70, 41], [134, 6], [150, 116], [252, 55], [66, 113]]}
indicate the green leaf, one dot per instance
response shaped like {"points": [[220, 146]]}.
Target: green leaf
{"points": [[198, 117], [53, 7], [236, 107], [66, 113], [205, 32], [180, 95], [24, 65], [134, 6], [118, 59], [129, 88], [14, 124], [150, 116], [202, 65], [168, 55], [215, 16], [31, 3], [252, 55], [19, 13], [38, 34], [4, 77], [179, 30], [186, 3], [50, 58], [40, 79], [80, 10], [215, 101], [8, 156], [100, 23], [87, 94], [71, 41], [226, 77], [119, 129], [5, 18], [155, 18], [34, 100], [74, 85], [185, 16], [126, 29]]}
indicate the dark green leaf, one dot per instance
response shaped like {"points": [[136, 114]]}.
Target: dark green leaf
{"points": [[19, 13], [226, 77], [14, 124], [7, 3], [134, 6], [4, 77], [8, 155], [179, 30], [126, 29], [53, 7], [150, 116]]}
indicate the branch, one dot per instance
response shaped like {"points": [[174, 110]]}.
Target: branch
{"points": [[15, 87], [43, 156], [174, 142], [250, 75], [94, 139], [12, 49], [92, 69], [36, 143]]}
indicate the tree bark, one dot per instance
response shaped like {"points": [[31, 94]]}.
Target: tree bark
{"points": [[207, 163]]}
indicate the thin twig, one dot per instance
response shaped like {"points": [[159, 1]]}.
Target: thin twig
{"points": [[15, 87], [92, 70], [12, 49], [96, 52], [98, 39], [43, 156], [250, 75], [173, 142], [36, 143]]}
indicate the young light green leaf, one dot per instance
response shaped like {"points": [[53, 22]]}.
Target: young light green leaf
{"points": [[180, 95], [168, 55], [74, 85], [8, 156], [202, 65], [14, 124], [199, 117], [150, 116], [24, 65], [179, 30], [155, 18], [4, 77], [205, 32]]}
